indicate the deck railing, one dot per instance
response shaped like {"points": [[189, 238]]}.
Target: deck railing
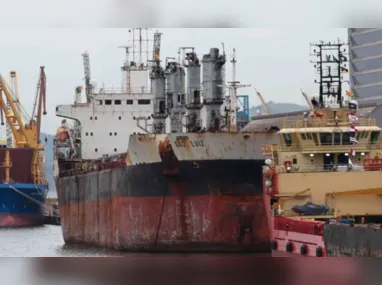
{"points": [[366, 122]]}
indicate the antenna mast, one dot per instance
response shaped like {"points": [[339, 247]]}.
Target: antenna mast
{"points": [[330, 64], [234, 85]]}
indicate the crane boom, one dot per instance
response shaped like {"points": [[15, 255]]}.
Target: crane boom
{"points": [[263, 102], [307, 100], [13, 117]]}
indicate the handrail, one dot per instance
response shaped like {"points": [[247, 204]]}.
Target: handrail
{"points": [[268, 149], [366, 122]]}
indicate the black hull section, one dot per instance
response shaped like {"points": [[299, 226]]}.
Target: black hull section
{"points": [[210, 177], [345, 241]]}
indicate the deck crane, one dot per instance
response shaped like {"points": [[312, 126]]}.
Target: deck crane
{"points": [[266, 109], [307, 100], [25, 129]]}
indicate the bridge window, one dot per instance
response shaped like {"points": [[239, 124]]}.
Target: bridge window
{"points": [[129, 102], [346, 138], [326, 138], [315, 138], [337, 138], [99, 102], [287, 139], [117, 102], [374, 137], [303, 136], [144, 102], [107, 102]]}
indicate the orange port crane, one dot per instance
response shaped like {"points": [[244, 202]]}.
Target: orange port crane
{"points": [[25, 129]]}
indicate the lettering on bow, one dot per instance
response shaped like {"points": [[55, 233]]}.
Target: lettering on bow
{"points": [[180, 143], [197, 143]]}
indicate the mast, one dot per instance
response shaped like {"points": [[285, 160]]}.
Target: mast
{"points": [[330, 64]]}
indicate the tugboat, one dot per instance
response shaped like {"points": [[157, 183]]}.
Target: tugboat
{"points": [[321, 180]]}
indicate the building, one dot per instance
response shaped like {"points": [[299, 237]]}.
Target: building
{"points": [[365, 55]]}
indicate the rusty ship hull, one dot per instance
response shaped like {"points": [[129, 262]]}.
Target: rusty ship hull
{"points": [[189, 192]]}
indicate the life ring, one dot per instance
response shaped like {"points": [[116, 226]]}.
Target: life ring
{"points": [[303, 249], [274, 244], [289, 247], [319, 251]]}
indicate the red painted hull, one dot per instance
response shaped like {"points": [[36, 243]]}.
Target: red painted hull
{"points": [[198, 223], [21, 220]]}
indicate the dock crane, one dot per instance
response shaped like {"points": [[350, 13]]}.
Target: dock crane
{"points": [[27, 135], [266, 109]]}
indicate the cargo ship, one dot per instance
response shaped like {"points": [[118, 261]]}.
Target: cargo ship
{"points": [[161, 169], [320, 179], [23, 188]]}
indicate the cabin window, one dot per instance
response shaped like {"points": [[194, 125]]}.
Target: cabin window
{"points": [[346, 138], [315, 138], [129, 102], [115, 134], [107, 102], [365, 135], [91, 118], [326, 138], [119, 117], [337, 138], [91, 134], [110, 134], [99, 102], [86, 134], [359, 135], [374, 137], [117, 102], [144, 102], [303, 136], [95, 118], [115, 150], [294, 161], [287, 139], [309, 136], [96, 149]]}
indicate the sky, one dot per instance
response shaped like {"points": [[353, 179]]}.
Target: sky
{"points": [[275, 61]]}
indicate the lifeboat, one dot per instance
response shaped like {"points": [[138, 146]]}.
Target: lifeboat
{"points": [[62, 134]]}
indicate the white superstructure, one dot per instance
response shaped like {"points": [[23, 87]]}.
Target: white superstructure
{"points": [[104, 123]]}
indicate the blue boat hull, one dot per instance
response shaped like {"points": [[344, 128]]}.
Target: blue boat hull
{"points": [[20, 204]]}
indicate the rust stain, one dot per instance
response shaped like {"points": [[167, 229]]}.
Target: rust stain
{"points": [[128, 159]]}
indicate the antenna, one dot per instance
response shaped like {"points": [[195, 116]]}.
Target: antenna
{"points": [[331, 64]]}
